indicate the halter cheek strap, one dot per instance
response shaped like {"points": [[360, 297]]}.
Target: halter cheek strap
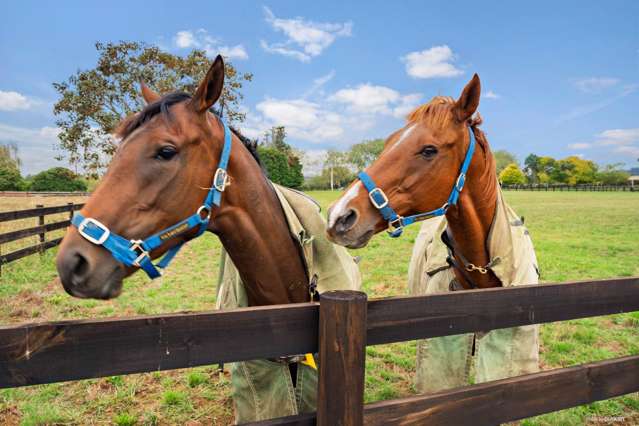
{"points": [[136, 252], [396, 223]]}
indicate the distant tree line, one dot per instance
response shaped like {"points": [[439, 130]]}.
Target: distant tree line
{"points": [[53, 179]]}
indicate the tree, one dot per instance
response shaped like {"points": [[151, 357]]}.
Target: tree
{"points": [[361, 155], [10, 179], [57, 179], [532, 168], [9, 156], [280, 168], [512, 175], [92, 102], [504, 158], [612, 175], [583, 171]]}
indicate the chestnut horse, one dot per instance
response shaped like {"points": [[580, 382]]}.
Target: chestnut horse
{"points": [[160, 174], [439, 169], [162, 185]]}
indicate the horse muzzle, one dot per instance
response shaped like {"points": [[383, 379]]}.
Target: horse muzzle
{"points": [[88, 271]]}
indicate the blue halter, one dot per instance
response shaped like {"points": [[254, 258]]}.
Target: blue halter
{"points": [[396, 223], [136, 252]]}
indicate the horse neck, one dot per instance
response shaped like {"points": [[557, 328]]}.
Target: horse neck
{"points": [[254, 231], [470, 220]]}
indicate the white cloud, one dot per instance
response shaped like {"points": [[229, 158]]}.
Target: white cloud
{"points": [[431, 63], [589, 109], [201, 39], [632, 151], [319, 83], [35, 145], [491, 95], [579, 145], [372, 99], [619, 137], [303, 119], [305, 39], [595, 84], [14, 101], [367, 98]]}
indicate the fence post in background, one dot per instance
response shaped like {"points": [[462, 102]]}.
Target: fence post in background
{"points": [[342, 355], [41, 223], [70, 210]]}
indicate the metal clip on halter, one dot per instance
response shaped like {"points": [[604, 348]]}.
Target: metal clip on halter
{"points": [[221, 179], [136, 246]]}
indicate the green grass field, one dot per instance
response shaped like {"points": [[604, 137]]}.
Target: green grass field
{"points": [[577, 236]]}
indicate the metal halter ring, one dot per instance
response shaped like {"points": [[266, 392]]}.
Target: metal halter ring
{"points": [[208, 212], [377, 205]]}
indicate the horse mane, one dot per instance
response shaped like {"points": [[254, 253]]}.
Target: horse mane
{"points": [[161, 106]]}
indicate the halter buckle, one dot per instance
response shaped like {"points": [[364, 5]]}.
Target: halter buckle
{"points": [[220, 180], [377, 205], [461, 180], [136, 246], [96, 223]]}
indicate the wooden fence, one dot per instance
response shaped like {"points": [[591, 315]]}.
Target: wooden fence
{"points": [[339, 328], [577, 188], [43, 194], [40, 229]]}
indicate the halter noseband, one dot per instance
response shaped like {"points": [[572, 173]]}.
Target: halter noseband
{"points": [[136, 252], [396, 223]]}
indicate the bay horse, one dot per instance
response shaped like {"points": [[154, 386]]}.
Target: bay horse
{"points": [[439, 169], [180, 171]]}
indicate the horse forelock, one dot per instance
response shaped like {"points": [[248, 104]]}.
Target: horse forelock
{"points": [[161, 106]]}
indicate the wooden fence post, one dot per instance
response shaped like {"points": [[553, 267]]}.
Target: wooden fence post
{"points": [[342, 355], [70, 210], [41, 223]]}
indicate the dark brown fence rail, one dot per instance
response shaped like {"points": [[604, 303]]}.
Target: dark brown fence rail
{"points": [[41, 229], [71, 350], [565, 187]]}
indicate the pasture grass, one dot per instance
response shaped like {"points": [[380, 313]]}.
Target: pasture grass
{"points": [[577, 236]]}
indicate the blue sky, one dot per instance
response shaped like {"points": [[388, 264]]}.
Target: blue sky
{"points": [[558, 78]]}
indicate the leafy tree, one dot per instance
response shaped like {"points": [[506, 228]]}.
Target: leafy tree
{"points": [[361, 155], [10, 179], [532, 168], [92, 102], [612, 175], [280, 168], [342, 176], [57, 179], [583, 171], [512, 175], [503, 159], [9, 156]]}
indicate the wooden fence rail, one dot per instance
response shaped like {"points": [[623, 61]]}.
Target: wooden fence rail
{"points": [[41, 229], [71, 350], [566, 187]]}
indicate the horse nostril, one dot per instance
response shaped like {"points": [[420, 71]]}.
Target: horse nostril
{"points": [[346, 221], [79, 270]]}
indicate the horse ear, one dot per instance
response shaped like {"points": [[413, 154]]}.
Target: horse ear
{"points": [[210, 88], [148, 94], [468, 102]]}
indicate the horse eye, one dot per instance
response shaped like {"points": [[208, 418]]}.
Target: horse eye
{"points": [[166, 153], [428, 151]]}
